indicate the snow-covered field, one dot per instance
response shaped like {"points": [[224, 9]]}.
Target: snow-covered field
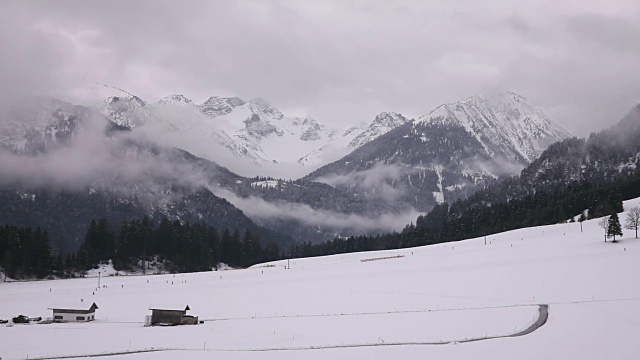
{"points": [[340, 307]]}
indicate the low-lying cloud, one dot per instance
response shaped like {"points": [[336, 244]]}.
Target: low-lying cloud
{"points": [[261, 209], [378, 181], [89, 158]]}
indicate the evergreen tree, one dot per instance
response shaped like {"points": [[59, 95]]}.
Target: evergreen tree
{"points": [[614, 227], [225, 255], [84, 258], [213, 240], [235, 255], [43, 258], [58, 266], [105, 243]]}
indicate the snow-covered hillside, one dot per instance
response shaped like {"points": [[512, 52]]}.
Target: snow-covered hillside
{"points": [[129, 111], [377, 305], [39, 123], [503, 119]]}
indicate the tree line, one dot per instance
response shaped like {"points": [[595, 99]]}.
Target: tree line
{"points": [[180, 247], [467, 218], [26, 251], [185, 247]]}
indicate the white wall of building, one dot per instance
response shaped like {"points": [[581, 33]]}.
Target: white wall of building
{"points": [[73, 317]]}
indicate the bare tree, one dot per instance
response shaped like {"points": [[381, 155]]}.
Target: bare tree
{"points": [[633, 220], [604, 223]]}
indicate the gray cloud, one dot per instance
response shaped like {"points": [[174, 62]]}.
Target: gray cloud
{"points": [[339, 61], [259, 209], [376, 181], [89, 159]]}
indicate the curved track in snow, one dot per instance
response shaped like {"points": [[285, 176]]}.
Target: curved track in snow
{"points": [[543, 316]]}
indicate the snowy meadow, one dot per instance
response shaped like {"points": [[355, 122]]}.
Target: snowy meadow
{"points": [[424, 302]]}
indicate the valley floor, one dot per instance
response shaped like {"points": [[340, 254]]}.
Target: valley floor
{"points": [[423, 304]]}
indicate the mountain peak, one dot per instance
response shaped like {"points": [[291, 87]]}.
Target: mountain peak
{"points": [[389, 119], [175, 99], [131, 99], [503, 118], [128, 111], [381, 124], [262, 107], [501, 98], [233, 101], [219, 106]]}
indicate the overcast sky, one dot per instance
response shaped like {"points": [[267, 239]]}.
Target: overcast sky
{"points": [[338, 61]]}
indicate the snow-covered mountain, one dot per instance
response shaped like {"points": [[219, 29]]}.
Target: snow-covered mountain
{"points": [[217, 106], [36, 124], [382, 124], [175, 99], [253, 130], [265, 131], [62, 165], [353, 138], [503, 119], [128, 111], [447, 153]]}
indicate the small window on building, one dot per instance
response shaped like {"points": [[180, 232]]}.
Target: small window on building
{"points": [[57, 317], [91, 317], [80, 318]]}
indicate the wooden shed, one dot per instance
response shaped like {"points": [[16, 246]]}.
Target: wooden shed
{"points": [[171, 315], [78, 312]]}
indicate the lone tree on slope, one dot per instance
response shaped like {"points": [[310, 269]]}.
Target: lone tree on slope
{"points": [[614, 227], [633, 220], [604, 223]]}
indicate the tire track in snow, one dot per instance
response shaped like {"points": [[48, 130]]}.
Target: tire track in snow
{"points": [[370, 313], [543, 316], [115, 353]]}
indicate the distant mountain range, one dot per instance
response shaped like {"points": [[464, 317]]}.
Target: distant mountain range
{"points": [[393, 167], [252, 129]]}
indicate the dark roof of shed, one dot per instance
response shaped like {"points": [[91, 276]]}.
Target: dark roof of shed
{"points": [[81, 305], [169, 307]]}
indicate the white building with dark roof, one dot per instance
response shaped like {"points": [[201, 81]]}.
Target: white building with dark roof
{"points": [[78, 312]]}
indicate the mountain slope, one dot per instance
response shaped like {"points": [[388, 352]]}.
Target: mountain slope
{"points": [[504, 119], [447, 153], [97, 173], [38, 124], [610, 154], [129, 111], [254, 130], [119, 177], [573, 180], [382, 124]]}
